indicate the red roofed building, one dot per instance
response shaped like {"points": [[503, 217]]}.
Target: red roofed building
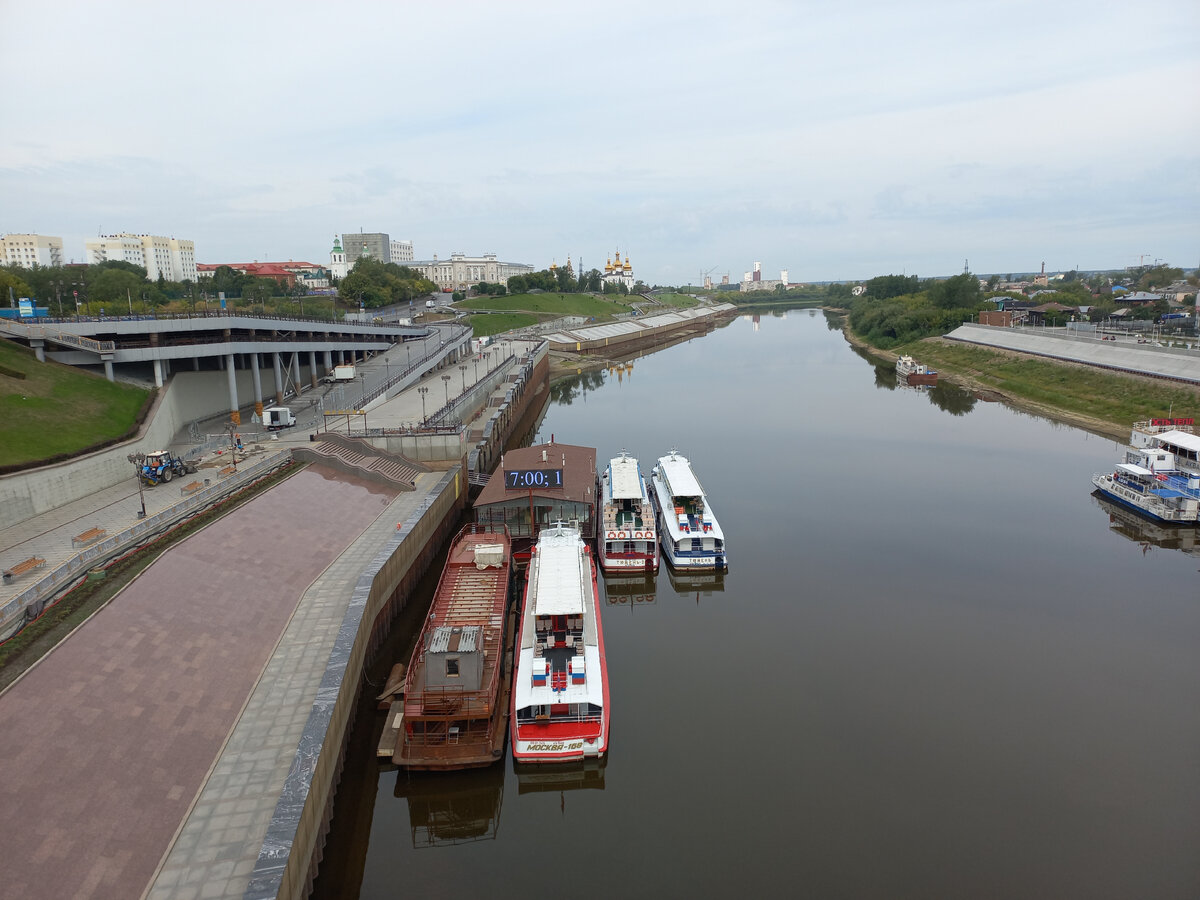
{"points": [[310, 275]]}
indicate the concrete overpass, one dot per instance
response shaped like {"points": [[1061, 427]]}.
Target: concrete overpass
{"points": [[218, 342]]}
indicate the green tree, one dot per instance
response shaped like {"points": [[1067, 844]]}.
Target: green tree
{"points": [[120, 265], [1158, 276], [12, 287], [883, 287], [113, 285], [958, 292]]}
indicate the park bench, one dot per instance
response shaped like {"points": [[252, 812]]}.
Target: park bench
{"points": [[88, 537], [228, 470], [25, 565], [190, 488]]}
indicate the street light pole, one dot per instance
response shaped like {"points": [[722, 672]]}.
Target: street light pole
{"points": [[137, 459], [423, 391], [231, 428], [446, 384], [463, 370]]}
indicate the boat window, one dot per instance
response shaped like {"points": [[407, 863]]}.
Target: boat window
{"points": [[452, 666]]}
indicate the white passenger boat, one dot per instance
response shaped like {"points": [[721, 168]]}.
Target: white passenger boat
{"points": [[560, 708], [627, 538], [1151, 483], [1175, 435], [690, 535]]}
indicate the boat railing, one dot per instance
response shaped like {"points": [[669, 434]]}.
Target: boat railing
{"points": [[525, 717], [449, 703]]}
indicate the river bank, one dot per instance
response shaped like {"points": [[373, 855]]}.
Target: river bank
{"points": [[1101, 402]]}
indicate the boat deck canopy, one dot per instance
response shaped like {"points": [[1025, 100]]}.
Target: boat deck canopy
{"points": [[626, 485], [1131, 469], [1180, 439], [679, 476], [560, 573]]}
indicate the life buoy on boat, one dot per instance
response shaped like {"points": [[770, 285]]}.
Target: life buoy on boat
{"points": [[637, 535], [612, 535], [620, 535]]}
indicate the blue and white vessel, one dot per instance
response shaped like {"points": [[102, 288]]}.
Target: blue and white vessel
{"points": [[1151, 482], [691, 537]]}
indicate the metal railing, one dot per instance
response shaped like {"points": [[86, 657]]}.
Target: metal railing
{"points": [[86, 559]]}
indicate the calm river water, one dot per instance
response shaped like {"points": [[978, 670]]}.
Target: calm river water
{"points": [[936, 668]]}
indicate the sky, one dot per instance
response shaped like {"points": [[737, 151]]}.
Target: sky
{"points": [[836, 140]]}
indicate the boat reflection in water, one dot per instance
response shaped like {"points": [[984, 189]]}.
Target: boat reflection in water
{"points": [[1148, 533], [687, 583], [587, 774], [452, 807], [630, 590]]}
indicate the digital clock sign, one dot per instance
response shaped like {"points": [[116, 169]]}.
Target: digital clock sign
{"points": [[515, 479]]}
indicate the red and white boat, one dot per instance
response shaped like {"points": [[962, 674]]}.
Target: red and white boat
{"points": [[455, 705], [627, 538], [560, 681]]}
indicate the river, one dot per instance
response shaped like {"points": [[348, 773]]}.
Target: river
{"points": [[937, 667]]}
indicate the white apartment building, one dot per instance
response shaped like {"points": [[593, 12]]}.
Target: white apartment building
{"points": [[28, 250], [172, 258], [402, 252], [460, 271]]}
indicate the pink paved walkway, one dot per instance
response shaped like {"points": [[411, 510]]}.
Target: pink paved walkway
{"points": [[104, 744]]}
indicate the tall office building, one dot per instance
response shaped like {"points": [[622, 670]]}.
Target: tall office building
{"points": [[377, 245]]}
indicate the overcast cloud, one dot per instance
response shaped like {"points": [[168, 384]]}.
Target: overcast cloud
{"points": [[836, 140]]}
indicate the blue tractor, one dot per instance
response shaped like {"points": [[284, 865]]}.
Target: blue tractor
{"points": [[161, 465]]}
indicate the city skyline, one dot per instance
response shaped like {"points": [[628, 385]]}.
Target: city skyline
{"points": [[838, 144]]}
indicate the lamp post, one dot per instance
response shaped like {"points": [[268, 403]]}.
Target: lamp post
{"points": [[463, 370], [137, 459], [231, 428], [446, 383], [387, 374], [423, 391], [476, 362]]}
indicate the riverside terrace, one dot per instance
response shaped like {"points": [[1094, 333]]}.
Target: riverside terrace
{"points": [[204, 341]]}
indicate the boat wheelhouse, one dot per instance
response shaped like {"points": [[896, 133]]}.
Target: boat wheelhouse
{"points": [[690, 535], [627, 538], [560, 709], [455, 705]]}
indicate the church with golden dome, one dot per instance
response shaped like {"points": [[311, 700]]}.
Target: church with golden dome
{"points": [[619, 272]]}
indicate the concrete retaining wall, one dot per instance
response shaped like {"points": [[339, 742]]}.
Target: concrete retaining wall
{"points": [[1122, 355], [24, 495], [287, 863]]}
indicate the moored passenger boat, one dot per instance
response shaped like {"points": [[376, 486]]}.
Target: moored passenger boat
{"points": [[455, 705], [627, 538], [691, 537], [1149, 482], [560, 707]]}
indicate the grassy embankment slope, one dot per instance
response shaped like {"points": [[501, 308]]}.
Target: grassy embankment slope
{"points": [[1097, 399], [56, 409], [522, 310]]}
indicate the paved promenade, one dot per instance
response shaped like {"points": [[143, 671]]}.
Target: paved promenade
{"points": [[1124, 354], [106, 743], [145, 757]]}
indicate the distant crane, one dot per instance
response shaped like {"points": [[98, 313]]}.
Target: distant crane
{"points": [[704, 273]]}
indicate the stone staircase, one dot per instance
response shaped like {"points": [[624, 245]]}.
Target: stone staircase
{"points": [[356, 456]]}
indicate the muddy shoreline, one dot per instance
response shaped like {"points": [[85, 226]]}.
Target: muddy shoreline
{"points": [[1101, 427]]}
